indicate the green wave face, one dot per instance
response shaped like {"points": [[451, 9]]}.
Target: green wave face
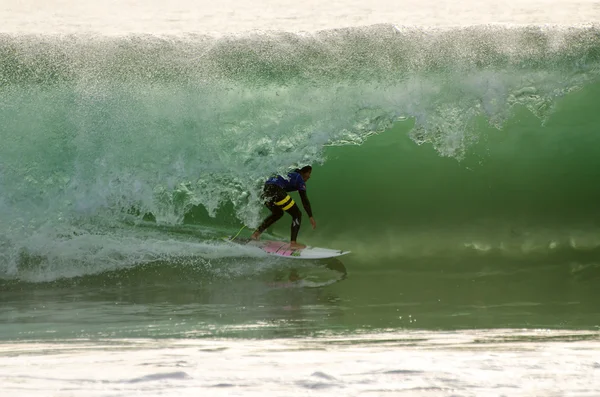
{"points": [[424, 143]]}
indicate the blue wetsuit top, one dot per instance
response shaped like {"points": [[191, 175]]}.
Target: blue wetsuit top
{"points": [[292, 183]]}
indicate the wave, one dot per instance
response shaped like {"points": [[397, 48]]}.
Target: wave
{"points": [[408, 129]]}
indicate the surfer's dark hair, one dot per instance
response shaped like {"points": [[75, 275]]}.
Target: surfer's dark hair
{"points": [[306, 168]]}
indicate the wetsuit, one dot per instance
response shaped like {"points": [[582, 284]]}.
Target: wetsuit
{"points": [[278, 200]]}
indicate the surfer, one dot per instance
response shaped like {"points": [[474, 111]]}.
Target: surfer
{"points": [[279, 201]]}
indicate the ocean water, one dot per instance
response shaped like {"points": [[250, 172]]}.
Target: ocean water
{"points": [[455, 152]]}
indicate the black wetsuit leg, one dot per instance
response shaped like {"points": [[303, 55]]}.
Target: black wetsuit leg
{"points": [[276, 214], [279, 201]]}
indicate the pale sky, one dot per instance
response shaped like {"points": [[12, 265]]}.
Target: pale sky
{"points": [[236, 16]]}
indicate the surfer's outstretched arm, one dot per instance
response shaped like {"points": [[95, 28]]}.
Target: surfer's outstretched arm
{"points": [[306, 205]]}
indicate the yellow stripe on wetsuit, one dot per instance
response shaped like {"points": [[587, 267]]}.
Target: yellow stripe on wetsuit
{"points": [[285, 200]]}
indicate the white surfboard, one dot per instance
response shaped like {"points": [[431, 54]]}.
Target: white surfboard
{"points": [[282, 248]]}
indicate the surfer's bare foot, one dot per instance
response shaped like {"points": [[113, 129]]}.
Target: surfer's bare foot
{"points": [[296, 246], [255, 235]]}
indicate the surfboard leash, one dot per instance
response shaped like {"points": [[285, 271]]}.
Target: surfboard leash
{"points": [[238, 233]]}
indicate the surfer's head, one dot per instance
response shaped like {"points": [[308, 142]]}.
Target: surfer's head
{"points": [[305, 172]]}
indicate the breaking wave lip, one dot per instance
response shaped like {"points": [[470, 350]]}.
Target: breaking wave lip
{"points": [[272, 100]]}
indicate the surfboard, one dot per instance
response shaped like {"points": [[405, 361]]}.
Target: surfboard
{"points": [[282, 248]]}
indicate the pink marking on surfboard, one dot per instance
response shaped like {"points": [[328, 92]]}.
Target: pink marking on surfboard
{"points": [[279, 248]]}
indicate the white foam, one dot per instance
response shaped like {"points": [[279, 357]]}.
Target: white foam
{"points": [[478, 362]]}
